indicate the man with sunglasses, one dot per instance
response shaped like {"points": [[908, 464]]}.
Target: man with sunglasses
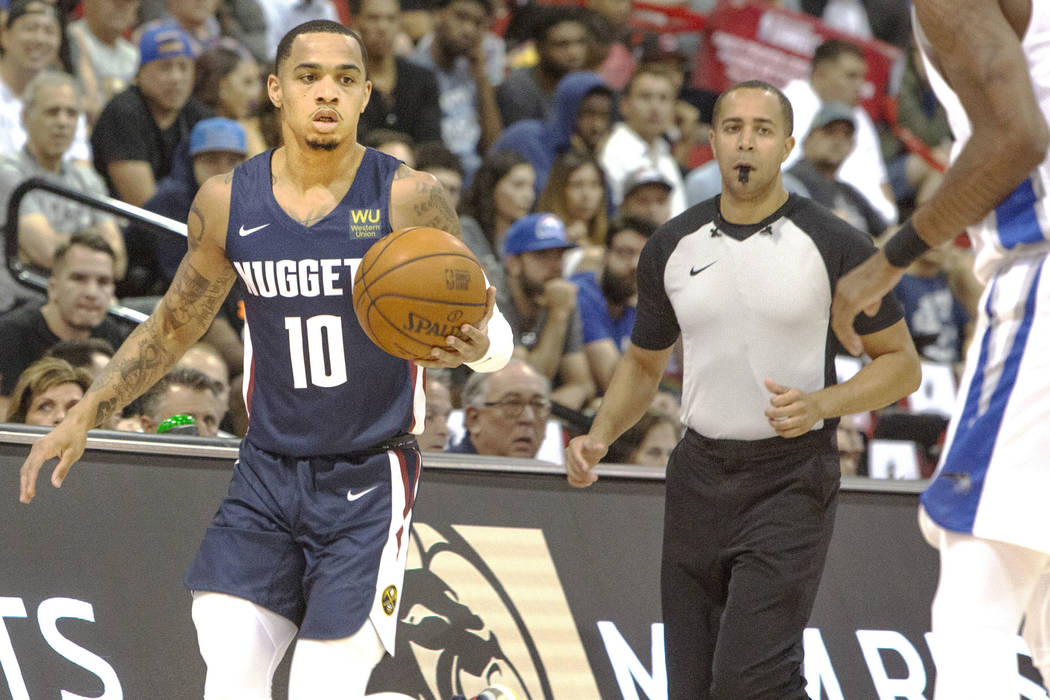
{"points": [[505, 412]]}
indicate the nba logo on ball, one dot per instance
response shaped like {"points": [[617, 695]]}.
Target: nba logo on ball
{"points": [[414, 288]]}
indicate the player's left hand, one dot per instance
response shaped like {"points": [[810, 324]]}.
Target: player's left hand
{"points": [[861, 289], [471, 346], [792, 412]]}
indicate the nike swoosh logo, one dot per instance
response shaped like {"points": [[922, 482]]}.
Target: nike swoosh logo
{"points": [[250, 231], [693, 272], [351, 496]]}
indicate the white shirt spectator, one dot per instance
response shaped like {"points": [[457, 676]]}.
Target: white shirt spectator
{"points": [[624, 152], [864, 167], [13, 134]]}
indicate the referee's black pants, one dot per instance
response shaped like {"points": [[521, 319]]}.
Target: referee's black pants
{"points": [[746, 531]]}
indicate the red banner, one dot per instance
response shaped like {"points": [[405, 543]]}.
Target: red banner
{"points": [[745, 40]]}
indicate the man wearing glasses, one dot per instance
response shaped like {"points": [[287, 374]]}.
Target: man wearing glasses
{"points": [[505, 412]]}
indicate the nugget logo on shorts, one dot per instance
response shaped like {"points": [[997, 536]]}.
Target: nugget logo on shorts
{"points": [[389, 599]]}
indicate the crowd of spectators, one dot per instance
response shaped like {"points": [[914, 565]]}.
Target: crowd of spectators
{"points": [[563, 136]]}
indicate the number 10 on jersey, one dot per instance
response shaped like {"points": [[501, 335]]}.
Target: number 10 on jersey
{"points": [[323, 337]]}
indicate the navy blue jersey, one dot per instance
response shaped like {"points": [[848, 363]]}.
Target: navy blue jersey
{"points": [[314, 384]]}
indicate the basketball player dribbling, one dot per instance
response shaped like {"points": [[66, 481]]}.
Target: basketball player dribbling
{"points": [[311, 539], [986, 508]]}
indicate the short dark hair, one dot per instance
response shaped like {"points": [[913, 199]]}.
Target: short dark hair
{"points": [[785, 103], [547, 17], [86, 239], [316, 26], [79, 352], [831, 49], [377, 137], [640, 225], [177, 376], [435, 155]]}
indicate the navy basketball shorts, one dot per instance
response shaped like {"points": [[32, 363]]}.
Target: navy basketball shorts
{"points": [[747, 526], [322, 541]]}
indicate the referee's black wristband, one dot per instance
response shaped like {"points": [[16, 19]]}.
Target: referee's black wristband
{"points": [[904, 246]]}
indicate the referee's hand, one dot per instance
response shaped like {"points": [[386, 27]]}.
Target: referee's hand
{"points": [[580, 457]]}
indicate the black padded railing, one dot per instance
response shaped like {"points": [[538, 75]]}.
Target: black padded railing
{"points": [[28, 277]]}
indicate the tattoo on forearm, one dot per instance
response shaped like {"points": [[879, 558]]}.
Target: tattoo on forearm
{"points": [[435, 209]]}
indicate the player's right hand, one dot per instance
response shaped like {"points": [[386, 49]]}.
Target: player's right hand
{"points": [[67, 442], [580, 457]]}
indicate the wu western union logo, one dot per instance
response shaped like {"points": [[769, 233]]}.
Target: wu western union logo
{"points": [[364, 223]]}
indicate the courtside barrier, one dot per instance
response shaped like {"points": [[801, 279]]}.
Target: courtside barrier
{"points": [[514, 578]]}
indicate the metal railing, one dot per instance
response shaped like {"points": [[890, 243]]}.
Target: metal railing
{"points": [[28, 277]]}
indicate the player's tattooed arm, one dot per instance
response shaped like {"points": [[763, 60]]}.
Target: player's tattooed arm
{"points": [[200, 285], [418, 199]]}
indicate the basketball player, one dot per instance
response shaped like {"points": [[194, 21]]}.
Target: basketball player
{"points": [[311, 540], [986, 509], [746, 279]]}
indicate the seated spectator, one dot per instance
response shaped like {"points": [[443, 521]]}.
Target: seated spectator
{"points": [[540, 305], [562, 37], [829, 141], [606, 298], [505, 412], [393, 143], [227, 81], [577, 195], [45, 392], [647, 443], [502, 192], [183, 390], [647, 195], [216, 146], [470, 120], [92, 354], [404, 95], [937, 321], [434, 437], [284, 15], [912, 178], [135, 138], [837, 74], [105, 61], [50, 112], [79, 292], [434, 157], [30, 40], [205, 359], [639, 140], [581, 120]]}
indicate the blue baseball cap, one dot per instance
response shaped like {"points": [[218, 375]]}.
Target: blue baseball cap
{"points": [[164, 41], [541, 231], [217, 134]]}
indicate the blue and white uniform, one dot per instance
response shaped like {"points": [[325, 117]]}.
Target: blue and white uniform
{"points": [[315, 526], [994, 475]]}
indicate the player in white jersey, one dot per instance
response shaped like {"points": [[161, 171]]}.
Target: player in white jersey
{"points": [[986, 509]]}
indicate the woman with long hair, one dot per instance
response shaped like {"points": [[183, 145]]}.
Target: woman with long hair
{"points": [[46, 390], [501, 193], [577, 193], [227, 80]]}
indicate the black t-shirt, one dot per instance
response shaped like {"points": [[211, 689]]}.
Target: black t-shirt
{"points": [[413, 109], [126, 131], [28, 338]]}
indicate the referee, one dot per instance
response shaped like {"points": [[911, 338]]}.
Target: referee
{"points": [[746, 278]]}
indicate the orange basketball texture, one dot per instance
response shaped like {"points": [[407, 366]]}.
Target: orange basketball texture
{"points": [[416, 286]]}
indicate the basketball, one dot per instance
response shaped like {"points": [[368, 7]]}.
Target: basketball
{"points": [[416, 286]]}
